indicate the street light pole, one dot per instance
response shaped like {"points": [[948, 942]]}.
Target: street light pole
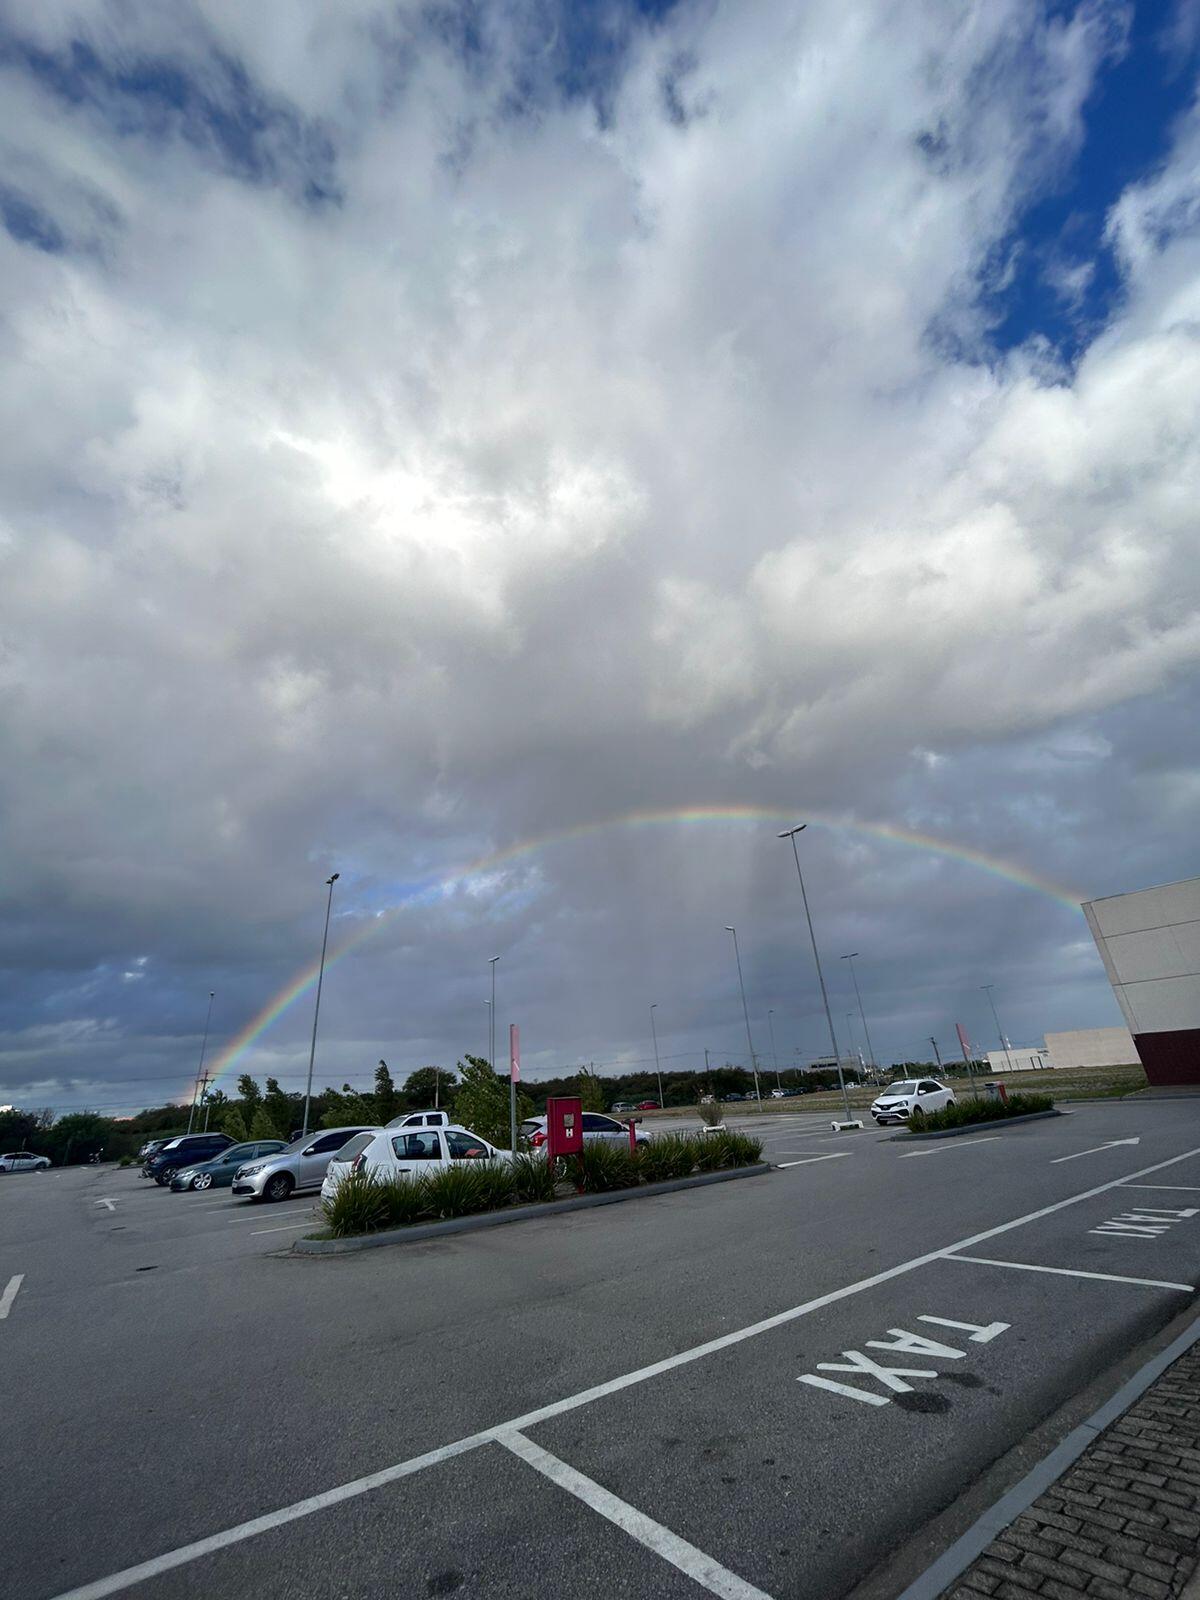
{"points": [[858, 996], [746, 1014], [937, 1054], [774, 1052], [200, 1068], [657, 1069], [987, 989], [790, 833], [312, 1051], [492, 960]]}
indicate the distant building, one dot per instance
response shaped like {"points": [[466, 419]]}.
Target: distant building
{"points": [[1026, 1058], [853, 1063], [1092, 1047], [1149, 942]]}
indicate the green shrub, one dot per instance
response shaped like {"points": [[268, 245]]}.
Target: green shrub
{"points": [[743, 1150], [533, 1180], [601, 1166], [467, 1187], [710, 1152], [404, 1200], [671, 1156], [969, 1110], [125, 1161], [359, 1205]]}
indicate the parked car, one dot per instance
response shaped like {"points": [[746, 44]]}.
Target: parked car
{"points": [[218, 1172], [300, 1166], [780, 1094], [23, 1161], [421, 1119], [730, 1098], [392, 1153], [185, 1151], [898, 1101], [595, 1126], [623, 1105], [648, 1105]]}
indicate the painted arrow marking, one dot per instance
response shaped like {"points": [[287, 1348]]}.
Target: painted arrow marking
{"points": [[836, 1155], [111, 1204], [1111, 1145]]}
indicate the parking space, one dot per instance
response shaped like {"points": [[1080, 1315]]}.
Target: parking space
{"points": [[759, 1389]]}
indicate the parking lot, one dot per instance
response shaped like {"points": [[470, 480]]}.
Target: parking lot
{"points": [[783, 1386]]}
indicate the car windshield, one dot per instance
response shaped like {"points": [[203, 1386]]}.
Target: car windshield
{"points": [[900, 1088]]}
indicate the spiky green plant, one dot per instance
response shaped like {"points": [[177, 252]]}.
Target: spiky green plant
{"points": [[534, 1180], [671, 1156], [600, 1167]]}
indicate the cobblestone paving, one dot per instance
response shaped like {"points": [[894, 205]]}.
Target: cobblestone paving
{"points": [[1123, 1522]]}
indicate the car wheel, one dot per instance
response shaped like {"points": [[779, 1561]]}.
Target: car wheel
{"points": [[203, 1180], [279, 1187], [162, 1179]]}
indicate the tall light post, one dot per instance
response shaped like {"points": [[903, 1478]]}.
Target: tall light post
{"points": [[746, 1014], [790, 833], [858, 996], [492, 960], [774, 1052], [987, 989], [657, 1069], [200, 1068], [312, 1051], [850, 1031]]}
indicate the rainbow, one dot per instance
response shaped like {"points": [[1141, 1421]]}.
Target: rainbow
{"points": [[298, 985]]}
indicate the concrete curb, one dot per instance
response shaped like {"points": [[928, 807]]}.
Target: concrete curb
{"points": [[976, 1127], [497, 1219]]}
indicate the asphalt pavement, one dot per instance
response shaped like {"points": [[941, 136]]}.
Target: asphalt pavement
{"points": [[762, 1388]]}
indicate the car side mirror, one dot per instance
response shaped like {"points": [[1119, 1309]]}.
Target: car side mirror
{"points": [[311, 1151]]}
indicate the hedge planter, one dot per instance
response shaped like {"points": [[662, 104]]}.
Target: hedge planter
{"points": [[976, 1127], [497, 1219]]}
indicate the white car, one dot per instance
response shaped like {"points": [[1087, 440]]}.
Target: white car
{"points": [[596, 1125], [898, 1101], [420, 1119], [23, 1161], [398, 1153]]}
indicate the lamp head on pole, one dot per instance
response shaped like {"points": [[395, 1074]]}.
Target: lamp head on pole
{"points": [[329, 882], [850, 956], [788, 832], [728, 929]]}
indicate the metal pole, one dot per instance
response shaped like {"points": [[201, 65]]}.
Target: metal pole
{"points": [[746, 1014], [657, 1071], [937, 1054], [858, 996], [774, 1052], [492, 960], [850, 1031], [312, 1051], [790, 833], [200, 1068], [987, 989], [514, 1048]]}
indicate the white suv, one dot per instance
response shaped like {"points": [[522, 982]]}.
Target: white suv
{"points": [[898, 1101]]}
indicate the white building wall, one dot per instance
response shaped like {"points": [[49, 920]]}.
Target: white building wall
{"points": [[1027, 1058], [1092, 1047], [1149, 942]]}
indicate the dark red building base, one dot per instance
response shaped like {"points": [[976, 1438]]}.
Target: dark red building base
{"points": [[1170, 1059]]}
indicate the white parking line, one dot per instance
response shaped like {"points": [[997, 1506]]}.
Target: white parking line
{"points": [[834, 1155], [1070, 1272], [1179, 1188], [702, 1569], [170, 1559], [941, 1151], [283, 1211], [10, 1294], [288, 1227]]}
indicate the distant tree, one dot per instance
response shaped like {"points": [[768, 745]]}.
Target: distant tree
{"points": [[386, 1098], [75, 1137], [591, 1091], [345, 1109], [215, 1102], [429, 1086], [234, 1124], [251, 1096], [281, 1108], [481, 1101], [262, 1126], [17, 1129]]}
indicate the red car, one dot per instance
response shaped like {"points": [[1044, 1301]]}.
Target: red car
{"points": [[647, 1105]]}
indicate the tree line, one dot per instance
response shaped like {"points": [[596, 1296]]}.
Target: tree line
{"points": [[474, 1095]]}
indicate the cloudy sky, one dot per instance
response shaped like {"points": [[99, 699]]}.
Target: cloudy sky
{"points": [[430, 429]]}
